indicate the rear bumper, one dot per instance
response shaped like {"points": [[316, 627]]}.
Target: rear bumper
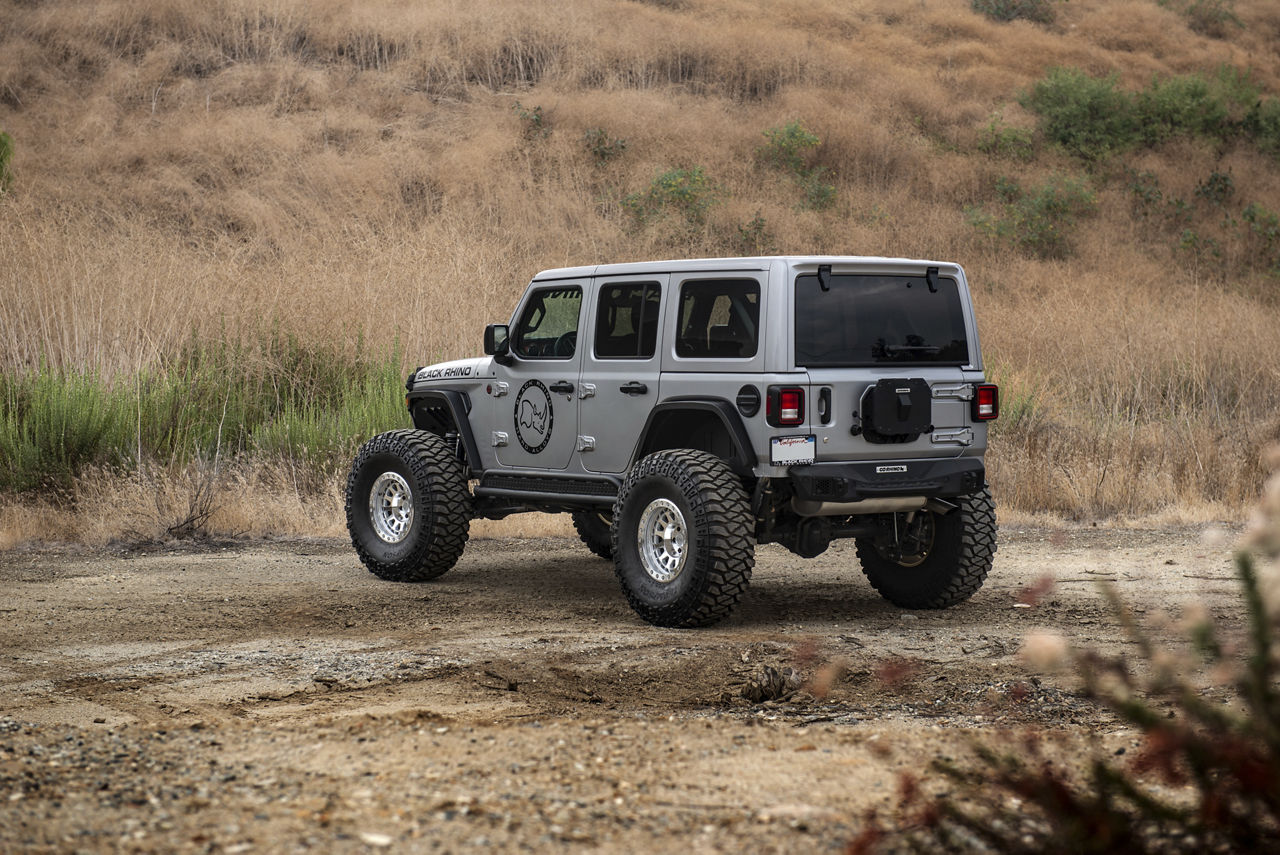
{"points": [[851, 482]]}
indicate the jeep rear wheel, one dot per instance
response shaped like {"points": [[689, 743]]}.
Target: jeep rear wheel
{"points": [[593, 530], [408, 508], [683, 546], [941, 559]]}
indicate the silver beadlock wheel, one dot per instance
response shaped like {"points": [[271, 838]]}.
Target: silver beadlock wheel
{"points": [[391, 507], [662, 539]]}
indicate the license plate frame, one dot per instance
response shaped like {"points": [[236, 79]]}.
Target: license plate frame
{"points": [[793, 450]]}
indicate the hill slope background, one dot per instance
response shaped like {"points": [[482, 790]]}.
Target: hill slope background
{"points": [[228, 227]]}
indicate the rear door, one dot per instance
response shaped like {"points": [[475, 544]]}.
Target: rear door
{"points": [[620, 368], [901, 331]]}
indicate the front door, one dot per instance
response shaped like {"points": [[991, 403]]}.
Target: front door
{"points": [[536, 420]]}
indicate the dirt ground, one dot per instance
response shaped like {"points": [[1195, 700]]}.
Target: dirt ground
{"points": [[277, 697]]}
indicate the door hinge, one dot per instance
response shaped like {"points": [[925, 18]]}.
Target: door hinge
{"points": [[958, 436], [587, 390], [499, 439], [955, 391], [500, 389], [586, 443]]}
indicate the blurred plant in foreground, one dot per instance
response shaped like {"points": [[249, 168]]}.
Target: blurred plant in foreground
{"points": [[1206, 779]]}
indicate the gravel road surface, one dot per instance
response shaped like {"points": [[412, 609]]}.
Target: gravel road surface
{"points": [[278, 698]]}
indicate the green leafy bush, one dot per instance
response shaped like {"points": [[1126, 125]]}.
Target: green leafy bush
{"points": [[1040, 11], [1039, 221], [1088, 116], [535, 124], [1001, 140], [1091, 118], [600, 147], [755, 237], [1177, 106], [791, 148], [1207, 17], [1263, 124], [688, 193], [6, 161]]}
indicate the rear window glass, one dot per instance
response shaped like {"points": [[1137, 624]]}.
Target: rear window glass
{"points": [[872, 320]]}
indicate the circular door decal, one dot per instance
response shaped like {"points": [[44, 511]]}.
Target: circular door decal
{"points": [[533, 416]]}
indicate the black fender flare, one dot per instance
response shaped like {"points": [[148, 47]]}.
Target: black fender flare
{"points": [[741, 458], [458, 405]]}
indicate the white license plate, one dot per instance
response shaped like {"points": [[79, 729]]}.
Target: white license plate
{"points": [[792, 450]]}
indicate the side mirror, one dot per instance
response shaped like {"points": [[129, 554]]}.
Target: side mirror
{"points": [[497, 343]]}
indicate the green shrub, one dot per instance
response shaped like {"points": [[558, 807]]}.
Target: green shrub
{"points": [[1216, 189], [791, 148], [755, 237], [1207, 17], [1087, 116], [6, 162], [1040, 11], [1040, 221], [1177, 106], [1264, 235], [600, 147], [535, 124], [1263, 124], [1001, 140], [686, 192]]}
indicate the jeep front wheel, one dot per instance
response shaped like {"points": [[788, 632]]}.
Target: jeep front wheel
{"points": [[408, 507], [940, 560], [683, 546]]}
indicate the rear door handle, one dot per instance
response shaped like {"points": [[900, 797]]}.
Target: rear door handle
{"points": [[564, 387], [633, 388]]}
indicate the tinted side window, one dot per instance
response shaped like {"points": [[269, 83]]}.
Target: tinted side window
{"points": [[627, 321], [719, 319], [548, 327]]}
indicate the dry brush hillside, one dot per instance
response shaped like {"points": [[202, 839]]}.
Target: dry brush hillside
{"points": [[379, 170]]}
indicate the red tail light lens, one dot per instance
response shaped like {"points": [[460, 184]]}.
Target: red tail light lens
{"points": [[785, 406], [986, 403]]}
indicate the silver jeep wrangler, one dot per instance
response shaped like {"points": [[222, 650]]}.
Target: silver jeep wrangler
{"points": [[684, 411]]}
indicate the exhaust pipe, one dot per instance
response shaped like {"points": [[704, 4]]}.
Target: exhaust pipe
{"points": [[887, 505]]}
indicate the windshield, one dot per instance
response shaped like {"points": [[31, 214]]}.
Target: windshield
{"points": [[872, 320]]}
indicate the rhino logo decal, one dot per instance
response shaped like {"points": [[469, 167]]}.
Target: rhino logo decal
{"points": [[534, 416]]}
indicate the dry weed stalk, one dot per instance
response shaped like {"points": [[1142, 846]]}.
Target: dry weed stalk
{"points": [[1207, 778]]}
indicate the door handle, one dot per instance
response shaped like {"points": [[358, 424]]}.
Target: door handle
{"points": [[633, 388], [564, 387]]}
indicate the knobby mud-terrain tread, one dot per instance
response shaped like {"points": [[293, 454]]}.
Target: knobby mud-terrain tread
{"points": [[446, 502], [721, 509], [594, 532], [972, 562]]}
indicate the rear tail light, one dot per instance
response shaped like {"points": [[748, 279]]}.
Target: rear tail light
{"points": [[784, 406], [986, 403]]}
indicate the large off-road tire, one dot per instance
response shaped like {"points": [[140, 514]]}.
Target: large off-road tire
{"points": [[949, 564], [593, 529], [408, 507], [683, 538]]}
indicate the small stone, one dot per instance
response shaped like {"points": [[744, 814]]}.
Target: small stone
{"points": [[372, 839]]}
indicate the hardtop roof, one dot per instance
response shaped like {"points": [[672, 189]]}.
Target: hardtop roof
{"points": [[730, 265]]}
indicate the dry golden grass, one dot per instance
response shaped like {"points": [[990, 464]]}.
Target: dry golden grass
{"points": [[357, 169]]}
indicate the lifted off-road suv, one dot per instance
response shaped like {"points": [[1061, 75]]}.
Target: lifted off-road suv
{"points": [[684, 411]]}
